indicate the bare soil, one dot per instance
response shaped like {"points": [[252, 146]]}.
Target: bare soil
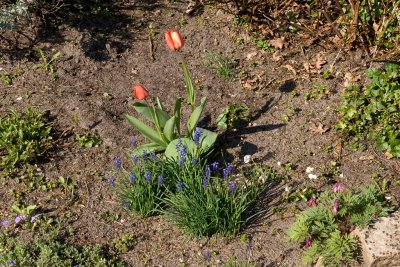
{"points": [[102, 59]]}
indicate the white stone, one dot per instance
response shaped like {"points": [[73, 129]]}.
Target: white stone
{"points": [[247, 158], [380, 242]]}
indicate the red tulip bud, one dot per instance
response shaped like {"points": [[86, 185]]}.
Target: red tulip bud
{"points": [[140, 92], [174, 40]]}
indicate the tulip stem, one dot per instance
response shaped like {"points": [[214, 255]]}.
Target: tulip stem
{"points": [[189, 84]]}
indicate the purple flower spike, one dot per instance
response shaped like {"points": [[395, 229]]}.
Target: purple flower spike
{"points": [[111, 180], [194, 162], [20, 218], [249, 246], [148, 176], [226, 173], [215, 166], [153, 155], [117, 162], [205, 182], [5, 223], [335, 207], [197, 136], [161, 179], [230, 168], [179, 145], [180, 186], [132, 178], [11, 263], [144, 153], [338, 187], [34, 218], [207, 255], [135, 158], [208, 171], [134, 142], [232, 188]]}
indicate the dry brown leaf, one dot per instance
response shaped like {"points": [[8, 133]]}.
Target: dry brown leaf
{"points": [[320, 61], [350, 78], [364, 158], [251, 55], [276, 56], [307, 66], [290, 67], [388, 155], [278, 43], [318, 128]]}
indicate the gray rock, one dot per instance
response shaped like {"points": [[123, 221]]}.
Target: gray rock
{"points": [[380, 242]]}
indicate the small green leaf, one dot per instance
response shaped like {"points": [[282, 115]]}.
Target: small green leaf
{"points": [[146, 112], [177, 114], [169, 129], [146, 130], [195, 116], [151, 147]]}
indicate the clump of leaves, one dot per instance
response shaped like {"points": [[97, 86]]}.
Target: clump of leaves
{"points": [[223, 65], [23, 138], [325, 227], [88, 140], [233, 116], [211, 200], [50, 252], [374, 112], [141, 189]]}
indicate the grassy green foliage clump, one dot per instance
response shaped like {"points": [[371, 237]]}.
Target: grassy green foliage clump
{"points": [[141, 189], [374, 112], [50, 252], [215, 200], [200, 199], [326, 230], [23, 138]]}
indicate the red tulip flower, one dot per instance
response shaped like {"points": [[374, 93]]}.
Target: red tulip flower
{"points": [[174, 40], [308, 242], [140, 92], [312, 202]]}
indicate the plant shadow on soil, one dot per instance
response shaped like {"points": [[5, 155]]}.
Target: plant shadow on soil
{"points": [[102, 26], [234, 137]]}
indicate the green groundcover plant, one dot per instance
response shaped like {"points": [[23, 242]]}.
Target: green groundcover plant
{"points": [[324, 227], [374, 112], [23, 138], [42, 252]]}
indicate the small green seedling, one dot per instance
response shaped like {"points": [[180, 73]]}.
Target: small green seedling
{"points": [[47, 64], [223, 65], [88, 140]]}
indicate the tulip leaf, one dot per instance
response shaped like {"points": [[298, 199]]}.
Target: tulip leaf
{"points": [[145, 130], [172, 152], [207, 139], [177, 114], [195, 116], [147, 112], [150, 147], [189, 84], [160, 106], [169, 129]]}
